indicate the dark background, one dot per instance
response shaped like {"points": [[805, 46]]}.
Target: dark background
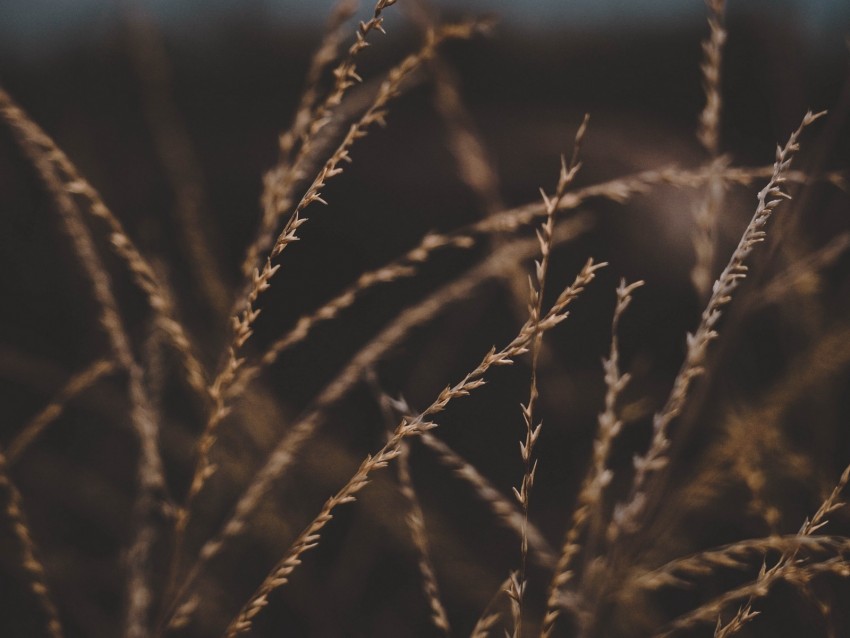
{"points": [[236, 76]]}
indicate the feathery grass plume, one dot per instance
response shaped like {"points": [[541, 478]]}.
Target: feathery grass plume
{"points": [[310, 118], [792, 572], [707, 212], [681, 572], [590, 497], [280, 459], [785, 567], [176, 154], [619, 190], [627, 515], [407, 428], [323, 57], [415, 518], [150, 474], [77, 384], [712, 49], [788, 567], [242, 323], [35, 572], [506, 511], [707, 217], [68, 179], [537, 288]]}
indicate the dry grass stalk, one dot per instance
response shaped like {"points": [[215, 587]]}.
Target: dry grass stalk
{"points": [[505, 510], [712, 49], [78, 383], [415, 519], [150, 473], [323, 57], [537, 287], [620, 190], [681, 572], [310, 119], [707, 217], [789, 567], [707, 213], [794, 573], [242, 324], [176, 154], [35, 572], [68, 179], [384, 342], [598, 476], [787, 564], [309, 538], [627, 515]]}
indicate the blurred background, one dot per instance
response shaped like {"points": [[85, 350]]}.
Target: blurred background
{"points": [[98, 77]]}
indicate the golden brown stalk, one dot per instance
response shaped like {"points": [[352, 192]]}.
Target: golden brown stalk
{"points": [[787, 564], [680, 572], [242, 323], [150, 473], [310, 119], [537, 286], [712, 49], [707, 217], [598, 475], [72, 184], [77, 384], [310, 537], [416, 524], [176, 154], [302, 430], [793, 573], [619, 190], [627, 515], [321, 60], [708, 209], [35, 572], [415, 518]]}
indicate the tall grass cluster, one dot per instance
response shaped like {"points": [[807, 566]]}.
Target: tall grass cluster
{"points": [[613, 407]]}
